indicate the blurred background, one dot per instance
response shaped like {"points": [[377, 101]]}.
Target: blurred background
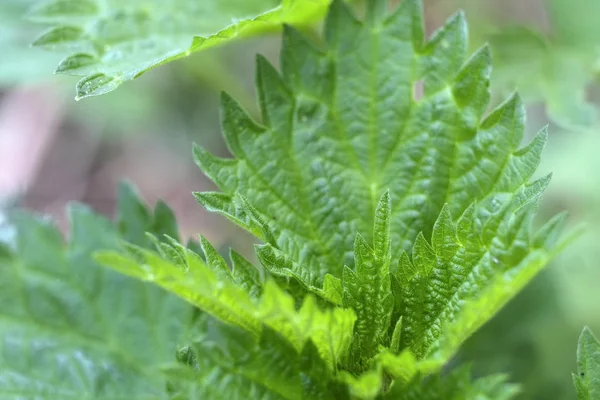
{"points": [[54, 150]]}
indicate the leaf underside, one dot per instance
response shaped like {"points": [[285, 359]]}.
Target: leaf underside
{"points": [[111, 42]]}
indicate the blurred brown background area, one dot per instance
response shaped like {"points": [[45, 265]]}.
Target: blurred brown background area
{"points": [[54, 150]]}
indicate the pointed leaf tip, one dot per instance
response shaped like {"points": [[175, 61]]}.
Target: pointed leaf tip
{"points": [[424, 257]]}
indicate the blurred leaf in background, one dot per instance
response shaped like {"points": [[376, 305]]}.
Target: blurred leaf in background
{"points": [[553, 62], [72, 329], [19, 63], [110, 42]]}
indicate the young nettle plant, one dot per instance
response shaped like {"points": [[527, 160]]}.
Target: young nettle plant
{"points": [[393, 225]]}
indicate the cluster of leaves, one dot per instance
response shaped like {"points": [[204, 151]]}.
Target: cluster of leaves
{"points": [[392, 225], [111, 42], [397, 226]]}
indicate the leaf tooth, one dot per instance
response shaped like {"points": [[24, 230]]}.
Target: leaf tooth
{"points": [[61, 38], [509, 121], [522, 164], [396, 336], [216, 168], [363, 254], [280, 264], [528, 158], [348, 277], [304, 67], [443, 237], [340, 24], [406, 270], [515, 235], [275, 99], [444, 54], [333, 289], [376, 11], [531, 191], [547, 236], [76, 64], [238, 127], [245, 270], [466, 230], [494, 210], [213, 258], [471, 87], [96, 85], [258, 219], [408, 18], [424, 258], [214, 201]]}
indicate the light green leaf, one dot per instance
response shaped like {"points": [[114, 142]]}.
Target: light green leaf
{"points": [[70, 329], [230, 300], [111, 42], [587, 379], [341, 125]]}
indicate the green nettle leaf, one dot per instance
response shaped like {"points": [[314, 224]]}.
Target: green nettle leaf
{"points": [[343, 124], [111, 42], [587, 379], [70, 329], [457, 385]]}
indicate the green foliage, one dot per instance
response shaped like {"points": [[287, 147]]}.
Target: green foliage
{"points": [[587, 378], [346, 156], [393, 226], [112, 42], [341, 127], [71, 329]]}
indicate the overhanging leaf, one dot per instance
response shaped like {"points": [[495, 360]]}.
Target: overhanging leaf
{"points": [[112, 42], [215, 290]]}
